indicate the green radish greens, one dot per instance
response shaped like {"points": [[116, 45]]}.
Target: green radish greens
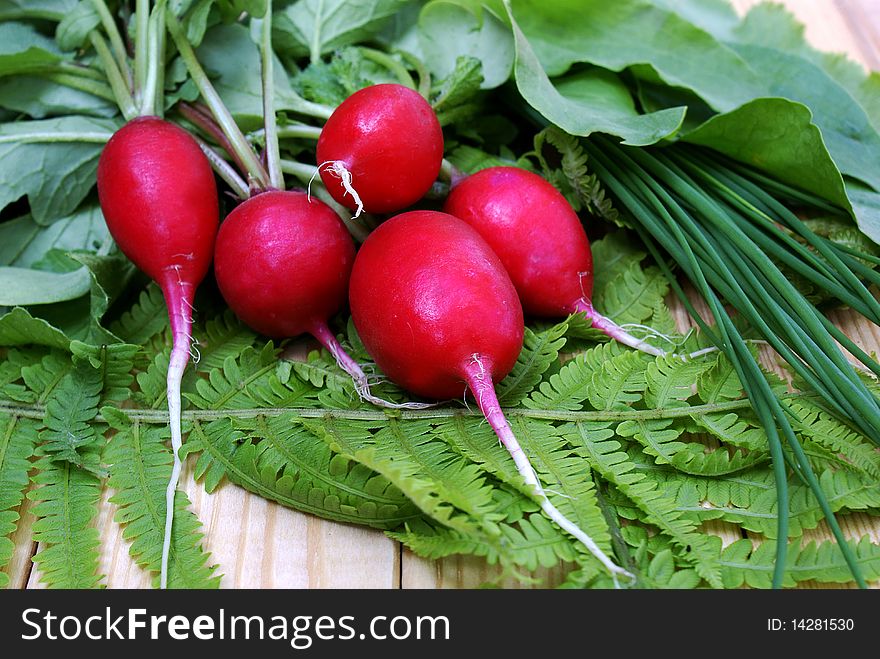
{"points": [[720, 160]]}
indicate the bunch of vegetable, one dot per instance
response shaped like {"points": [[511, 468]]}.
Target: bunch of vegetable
{"points": [[455, 255]]}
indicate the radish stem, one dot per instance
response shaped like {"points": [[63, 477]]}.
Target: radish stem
{"points": [[224, 170], [361, 383], [243, 150], [141, 53], [399, 70], [120, 88], [206, 123], [273, 155], [155, 61], [480, 383], [83, 84], [116, 42]]}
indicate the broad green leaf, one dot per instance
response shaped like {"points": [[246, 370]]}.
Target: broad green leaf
{"points": [[43, 98], [589, 101], [53, 10], [23, 242], [74, 29], [851, 139], [620, 34], [24, 50], [316, 27], [448, 31], [52, 161], [18, 328], [777, 136], [24, 286]]}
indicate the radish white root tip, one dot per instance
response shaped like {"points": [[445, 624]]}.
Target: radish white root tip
{"points": [[338, 169], [484, 390], [360, 379]]}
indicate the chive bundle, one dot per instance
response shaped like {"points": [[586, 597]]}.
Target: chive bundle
{"points": [[729, 230]]}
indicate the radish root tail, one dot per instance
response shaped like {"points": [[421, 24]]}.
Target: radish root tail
{"points": [[480, 383], [178, 298], [360, 379], [338, 169]]}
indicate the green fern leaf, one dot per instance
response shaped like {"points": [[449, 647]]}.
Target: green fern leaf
{"points": [[741, 563], [18, 438], [114, 364], [67, 505], [221, 338], [632, 295], [734, 429], [288, 464], [671, 381], [441, 483], [812, 422], [43, 376], [143, 321], [140, 467], [606, 376], [69, 412], [594, 441], [697, 459], [228, 388], [540, 350]]}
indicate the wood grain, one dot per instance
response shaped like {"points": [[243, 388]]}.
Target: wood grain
{"points": [[259, 544]]}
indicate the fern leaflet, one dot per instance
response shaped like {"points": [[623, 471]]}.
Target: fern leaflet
{"points": [[140, 466]]}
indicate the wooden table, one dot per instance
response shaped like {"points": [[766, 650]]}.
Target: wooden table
{"points": [[260, 544]]}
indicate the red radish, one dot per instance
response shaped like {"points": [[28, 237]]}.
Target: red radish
{"points": [[539, 239], [437, 311], [159, 199], [381, 149], [283, 263]]}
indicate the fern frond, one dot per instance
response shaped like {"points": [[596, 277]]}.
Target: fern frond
{"points": [[18, 438], [581, 188], [697, 459], [140, 467], [11, 387], [540, 350], [220, 338], [631, 296], [606, 376], [532, 543], [441, 483], [67, 505], [671, 381], [595, 442], [44, 376], [70, 410], [742, 563], [228, 387], [734, 429], [147, 318], [812, 422], [567, 480], [286, 463], [114, 364]]}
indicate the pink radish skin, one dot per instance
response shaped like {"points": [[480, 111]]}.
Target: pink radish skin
{"points": [[283, 263], [159, 198], [436, 309], [381, 149], [541, 242]]}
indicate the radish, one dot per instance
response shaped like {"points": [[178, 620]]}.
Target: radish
{"points": [[435, 308], [159, 198], [540, 240], [381, 149], [283, 263]]}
